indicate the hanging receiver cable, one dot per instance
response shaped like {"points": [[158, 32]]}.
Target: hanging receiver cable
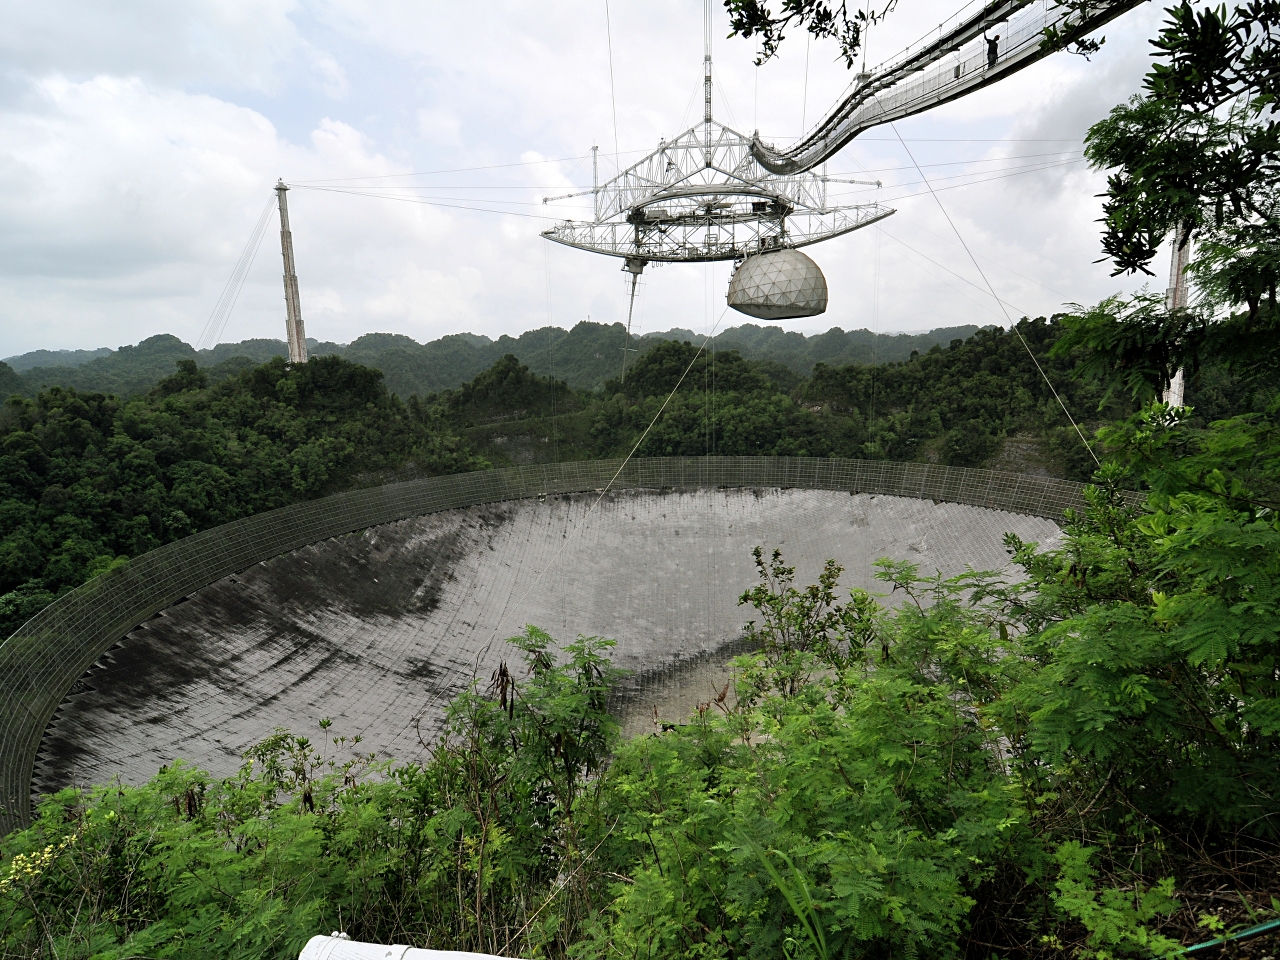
{"points": [[990, 289]]}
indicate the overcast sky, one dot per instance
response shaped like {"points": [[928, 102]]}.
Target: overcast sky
{"points": [[139, 143]]}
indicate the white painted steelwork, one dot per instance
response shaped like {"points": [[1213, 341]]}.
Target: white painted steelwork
{"points": [[702, 197]]}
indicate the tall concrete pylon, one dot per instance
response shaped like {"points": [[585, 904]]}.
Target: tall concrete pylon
{"points": [[293, 306], [1176, 299]]}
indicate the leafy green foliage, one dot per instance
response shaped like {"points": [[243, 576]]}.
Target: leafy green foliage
{"points": [[87, 480], [1199, 150], [506, 391], [1074, 763], [478, 848], [753, 18], [1133, 344]]}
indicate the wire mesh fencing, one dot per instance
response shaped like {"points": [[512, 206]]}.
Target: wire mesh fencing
{"points": [[47, 655]]}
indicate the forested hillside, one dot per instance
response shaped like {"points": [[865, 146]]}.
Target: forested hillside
{"points": [[957, 405], [55, 358], [88, 480], [584, 357]]}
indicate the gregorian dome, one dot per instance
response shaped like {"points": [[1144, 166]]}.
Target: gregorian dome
{"points": [[778, 285]]}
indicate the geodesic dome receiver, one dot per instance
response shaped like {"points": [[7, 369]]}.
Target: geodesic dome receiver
{"points": [[778, 285]]}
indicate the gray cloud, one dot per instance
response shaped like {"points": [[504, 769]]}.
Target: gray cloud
{"points": [[138, 146]]}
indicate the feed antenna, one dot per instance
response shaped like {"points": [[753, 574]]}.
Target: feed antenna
{"points": [[702, 197]]}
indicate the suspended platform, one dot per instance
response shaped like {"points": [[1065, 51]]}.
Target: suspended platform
{"points": [[703, 196]]}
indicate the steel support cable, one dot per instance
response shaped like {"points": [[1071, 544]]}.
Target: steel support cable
{"points": [[959, 163], [1004, 175], [435, 173], [834, 178], [926, 263], [429, 203], [217, 321], [946, 269], [533, 163], [990, 289], [875, 329], [613, 98], [433, 198], [907, 221], [551, 359], [568, 538], [364, 190]]}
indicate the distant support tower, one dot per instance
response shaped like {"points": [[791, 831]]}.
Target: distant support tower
{"points": [[293, 306], [1176, 299]]}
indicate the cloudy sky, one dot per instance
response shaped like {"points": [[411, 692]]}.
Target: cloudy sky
{"points": [[139, 143]]}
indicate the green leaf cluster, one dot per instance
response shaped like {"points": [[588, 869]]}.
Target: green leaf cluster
{"points": [[89, 480]]}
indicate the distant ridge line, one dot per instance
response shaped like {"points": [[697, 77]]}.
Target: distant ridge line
{"points": [[585, 356]]}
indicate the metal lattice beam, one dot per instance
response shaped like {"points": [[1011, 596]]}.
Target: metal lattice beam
{"points": [[703, 196]]}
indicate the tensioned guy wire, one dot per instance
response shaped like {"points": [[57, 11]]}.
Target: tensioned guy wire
{"points": [[551, 359], [990, 289], [217, 321], [573, 531], [613, 98]]}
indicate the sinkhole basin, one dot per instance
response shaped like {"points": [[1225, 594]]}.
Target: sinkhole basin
{"points": [[374, 608]]}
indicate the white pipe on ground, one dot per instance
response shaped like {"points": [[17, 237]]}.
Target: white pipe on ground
{"points": [[339, 947]]}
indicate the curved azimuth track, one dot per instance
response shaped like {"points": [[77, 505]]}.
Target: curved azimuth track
{"points": [[951, 63]]}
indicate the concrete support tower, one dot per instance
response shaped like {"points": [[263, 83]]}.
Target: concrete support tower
{"points": [[1176, 299], [293, 306]]}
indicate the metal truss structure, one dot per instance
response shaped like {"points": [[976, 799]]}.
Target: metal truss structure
{"points": [[941, 67], [703, 196]]}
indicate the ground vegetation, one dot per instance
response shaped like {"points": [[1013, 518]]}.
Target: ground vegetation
{"points": [[1082, 759], [88, 480]]}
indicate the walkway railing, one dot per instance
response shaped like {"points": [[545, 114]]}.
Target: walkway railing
{"points": [[941, 68]]}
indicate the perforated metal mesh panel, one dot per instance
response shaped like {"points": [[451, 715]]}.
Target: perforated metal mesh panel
{"points": [[41, 662]]}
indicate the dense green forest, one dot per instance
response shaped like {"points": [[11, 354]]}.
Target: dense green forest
{"points": [[585, 357], [90, 479]]}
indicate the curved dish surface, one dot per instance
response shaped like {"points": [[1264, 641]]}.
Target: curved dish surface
{"points": [[373, 607], [378, 630]]}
